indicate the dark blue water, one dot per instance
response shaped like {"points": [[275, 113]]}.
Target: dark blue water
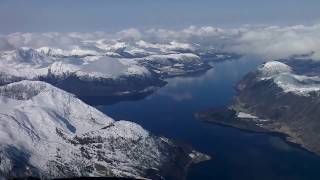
{"points": [[236, 155]]}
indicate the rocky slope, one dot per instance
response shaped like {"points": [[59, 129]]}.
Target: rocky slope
{"points": [[280, 96], [46, 132]]}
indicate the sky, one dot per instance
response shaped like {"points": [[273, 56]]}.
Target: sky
{"points": [[114, 15]]}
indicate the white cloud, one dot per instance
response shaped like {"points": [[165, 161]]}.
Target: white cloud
{"points": [[268, 42], [131, 34], [279, 42]]}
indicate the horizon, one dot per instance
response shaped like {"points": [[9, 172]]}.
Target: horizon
{"points": [[111, 16]]}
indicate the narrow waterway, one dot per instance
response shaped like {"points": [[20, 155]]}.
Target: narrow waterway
{"points": [[236, 155]]}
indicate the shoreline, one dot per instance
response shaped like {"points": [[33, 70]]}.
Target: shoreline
{"points": [[285, 137]]}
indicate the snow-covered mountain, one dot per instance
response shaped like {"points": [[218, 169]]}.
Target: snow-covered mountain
{"points": [[29, 63], [176, 64], [73, 52], [287, 79], [47, 132], [23, 63], [98, 75], [25, 56], [104, 68]]}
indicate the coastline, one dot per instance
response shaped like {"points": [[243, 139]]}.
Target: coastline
{"points": [[202, 116]]}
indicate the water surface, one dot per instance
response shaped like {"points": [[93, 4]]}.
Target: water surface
{"points": [[236, 155]]}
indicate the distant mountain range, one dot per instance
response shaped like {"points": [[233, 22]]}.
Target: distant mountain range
{"points": [[100, 69]]}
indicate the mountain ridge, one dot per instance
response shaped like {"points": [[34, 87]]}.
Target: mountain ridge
{"points": [[49, 133]]}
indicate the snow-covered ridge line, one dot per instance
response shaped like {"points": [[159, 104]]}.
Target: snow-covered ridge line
{"points": [[284, 77], [49, 133]]}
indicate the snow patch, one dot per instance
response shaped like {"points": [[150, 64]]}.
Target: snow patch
{"points": [[284, 77], [243, 115], [298, 84]]}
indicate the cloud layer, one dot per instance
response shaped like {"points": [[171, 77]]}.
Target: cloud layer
{"points": [[279, 42], [267, 42]]}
